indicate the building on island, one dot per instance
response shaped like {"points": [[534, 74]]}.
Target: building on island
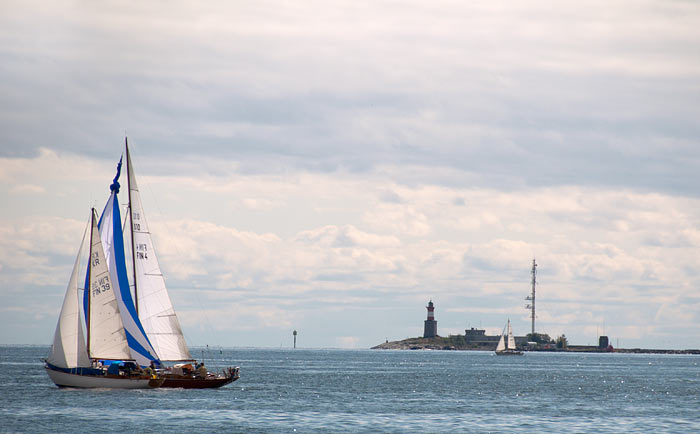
{"points": [[479, 338], [430, 328]]}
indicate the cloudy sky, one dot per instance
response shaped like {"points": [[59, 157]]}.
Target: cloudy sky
{"points": [[329, 167]]}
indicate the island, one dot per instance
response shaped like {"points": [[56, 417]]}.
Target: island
{"points": [[459, 343], [477, 340]]}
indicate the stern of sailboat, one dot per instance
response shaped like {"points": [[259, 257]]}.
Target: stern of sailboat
{"points": [[156, 381]]}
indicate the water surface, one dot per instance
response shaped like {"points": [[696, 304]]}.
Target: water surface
{"points": [[285, 390]]}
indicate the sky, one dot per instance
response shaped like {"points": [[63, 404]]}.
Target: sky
{"points": [[330, 167]]}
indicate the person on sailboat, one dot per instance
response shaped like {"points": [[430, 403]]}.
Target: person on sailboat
{"points": [[202, 371]]}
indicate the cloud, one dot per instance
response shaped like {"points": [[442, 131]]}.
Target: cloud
{"points": [[676, 313], [365, 156], [37, 251], [585, 267], [346, 236], [255, 203], [27, 189], [567, 95], [592, 246]]}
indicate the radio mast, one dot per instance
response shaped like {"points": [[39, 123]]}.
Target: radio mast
{"points": [[531, 297]]}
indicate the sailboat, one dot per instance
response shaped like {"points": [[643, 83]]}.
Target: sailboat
{"points": [[507, 348], [73, 362], [154, 307]]}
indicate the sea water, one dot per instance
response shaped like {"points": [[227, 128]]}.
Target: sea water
{"points": [[315, 390]]}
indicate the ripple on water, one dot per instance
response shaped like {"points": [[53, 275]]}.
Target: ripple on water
{"points": [[374, 391]]}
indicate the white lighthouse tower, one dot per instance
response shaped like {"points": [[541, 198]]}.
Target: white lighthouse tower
{"points": [[430, 328]]}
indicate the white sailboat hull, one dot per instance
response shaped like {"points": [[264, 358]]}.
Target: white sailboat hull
{"points": [[64, 379]]}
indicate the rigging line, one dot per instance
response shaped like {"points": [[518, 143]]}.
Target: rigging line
{"points": [[179, 255]]}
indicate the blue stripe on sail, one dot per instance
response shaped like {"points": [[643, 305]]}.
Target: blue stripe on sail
{"points": [[134, 345], [86, 291], [117, 249]]}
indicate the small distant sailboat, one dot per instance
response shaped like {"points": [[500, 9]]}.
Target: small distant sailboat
{"points": [[75, 363], [507, 348], [154, 307]]}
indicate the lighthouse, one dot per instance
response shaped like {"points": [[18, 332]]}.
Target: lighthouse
{"points": [[430, 329]]}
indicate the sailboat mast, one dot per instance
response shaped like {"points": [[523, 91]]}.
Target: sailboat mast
{"points": [[87, 319], [131, 222]]}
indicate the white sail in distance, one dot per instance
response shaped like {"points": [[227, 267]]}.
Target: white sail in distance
{"points": [[106, 330], [511, 339], [68, 349], [501, 344], [155, 309]]}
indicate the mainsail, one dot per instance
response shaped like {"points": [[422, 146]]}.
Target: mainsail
{"points": [[68, 350], [155, 310], [106, 336], [511, 340]]}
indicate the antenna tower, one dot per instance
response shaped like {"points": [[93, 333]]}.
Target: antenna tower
{"points": [[531, 297]]}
